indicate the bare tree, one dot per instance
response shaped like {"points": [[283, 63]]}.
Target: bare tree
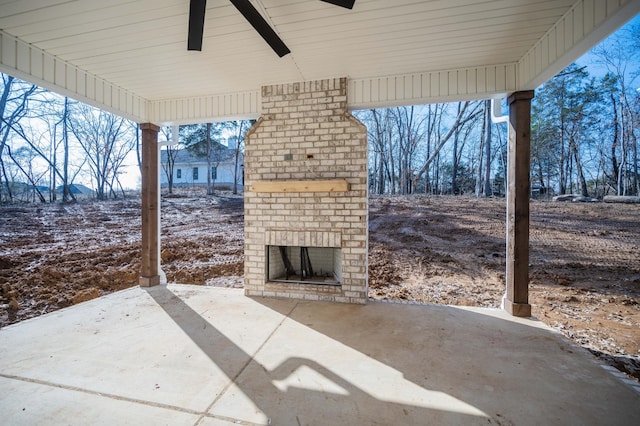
{"points": [[488, 190], [24, 160], [456, 157], [209, 159], [562, 115], [435, 115], [381, 145], [171, 153], [53, 117], [467, 112], [399, 136], [409, 132], [106, 140], [616, 55], [481, 142], [14, 105], [460, 139], [43, 112], [238, 146]]}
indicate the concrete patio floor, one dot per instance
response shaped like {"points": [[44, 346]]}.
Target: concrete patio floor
{"points": [[187, 355]]}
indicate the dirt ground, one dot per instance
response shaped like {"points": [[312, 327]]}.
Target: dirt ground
{"points": [[585, 261], [584, 264]]}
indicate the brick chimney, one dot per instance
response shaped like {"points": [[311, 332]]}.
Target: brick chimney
{"points": [[306, 208]]}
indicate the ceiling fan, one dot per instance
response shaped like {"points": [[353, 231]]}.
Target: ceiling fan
{"points": [[196, 23]]}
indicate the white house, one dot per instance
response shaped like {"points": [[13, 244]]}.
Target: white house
{"points": [[190, 169]]}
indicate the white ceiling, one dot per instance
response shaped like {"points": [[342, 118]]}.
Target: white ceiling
{"points": [[140, 45]]}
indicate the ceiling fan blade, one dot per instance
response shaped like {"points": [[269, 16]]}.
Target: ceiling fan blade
{"points": [[347, 4], [262, 27], [196, 24]]}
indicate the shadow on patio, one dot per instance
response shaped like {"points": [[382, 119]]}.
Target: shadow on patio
{"points": [[198, 355]]}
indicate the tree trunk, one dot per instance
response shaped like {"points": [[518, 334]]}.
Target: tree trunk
{"points": [[53, 148], [6, 179], [479, 168], [634, 152], [576, 155], [614, 145], [488, 192], [237, 159], [171, 159], [436, 172], [380, 177], [392, 168], [380, 147], [454, 171], [66, 190], [430, 128], [209, 189], [540, 174], [5, 132], [621, 167]]}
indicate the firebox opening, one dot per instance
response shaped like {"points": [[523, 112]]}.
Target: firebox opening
{"points": [[304, 265]]}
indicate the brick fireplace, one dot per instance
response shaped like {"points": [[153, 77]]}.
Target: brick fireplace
{"points": [[306, 212]]}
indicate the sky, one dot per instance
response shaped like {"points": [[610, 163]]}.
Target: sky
{"points": [[598, 70]]}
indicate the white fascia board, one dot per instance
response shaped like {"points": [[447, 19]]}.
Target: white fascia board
{"points": [[483, 82], [29, 63], [207, 109], [582, 27], [493, 81]]}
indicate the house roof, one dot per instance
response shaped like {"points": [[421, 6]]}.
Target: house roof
{"points": [[77, 188], [130, 57], [189, 157]]}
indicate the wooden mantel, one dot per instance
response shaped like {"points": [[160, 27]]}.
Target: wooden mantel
{"points": [[334, 185]]}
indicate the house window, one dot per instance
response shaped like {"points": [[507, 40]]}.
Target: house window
{"points": [[195, 173], [179, 174], [214, 172]]}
